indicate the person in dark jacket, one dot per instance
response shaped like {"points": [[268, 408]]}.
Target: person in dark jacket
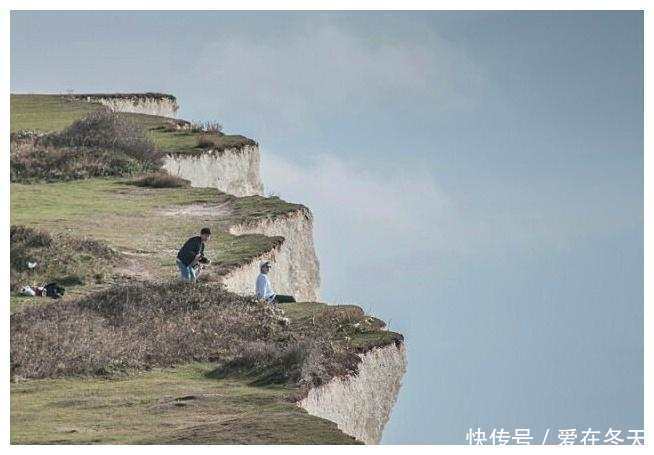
{"points": [[191, 254]]}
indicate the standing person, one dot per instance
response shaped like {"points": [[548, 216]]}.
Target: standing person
{"points": [[264, 290], [191, 254]]}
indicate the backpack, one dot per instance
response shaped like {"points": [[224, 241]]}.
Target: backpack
{"points": [[53, 290]]}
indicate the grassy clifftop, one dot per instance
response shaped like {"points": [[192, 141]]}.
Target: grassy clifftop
{"points": [[235, 369], [131, 355], [146, 225], [165, 406], [48, 113]]}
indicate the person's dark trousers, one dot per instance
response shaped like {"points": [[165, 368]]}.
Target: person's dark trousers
{"points": [[284, 299]]}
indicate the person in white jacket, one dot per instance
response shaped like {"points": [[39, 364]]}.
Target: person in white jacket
{"points": [[264, 290]]}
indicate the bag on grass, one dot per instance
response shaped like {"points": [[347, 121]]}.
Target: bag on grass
{"points": [[54, 291]]}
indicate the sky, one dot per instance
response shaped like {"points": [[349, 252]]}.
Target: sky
{"points": [[476, 180]]}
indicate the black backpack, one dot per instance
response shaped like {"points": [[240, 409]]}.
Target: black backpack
{"points": [[53, 290]]}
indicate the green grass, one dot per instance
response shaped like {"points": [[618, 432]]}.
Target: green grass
{"points": [[183, 142], [47, 113], [142, 221], [360, 331], [171, 406], [87, 202]]}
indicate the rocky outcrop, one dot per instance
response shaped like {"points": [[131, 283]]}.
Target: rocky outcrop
{"points": [[138, 103], [361, 404], [295, 269], [232, 170]]}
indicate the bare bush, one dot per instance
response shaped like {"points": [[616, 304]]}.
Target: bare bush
{"points": [[145, 325], [162, 180], [205, 141], [135, 326], [62, 258], [32, 162], [109, 130], [210, 126]]}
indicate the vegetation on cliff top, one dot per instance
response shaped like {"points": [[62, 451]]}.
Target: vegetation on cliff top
{"points": [[109, 130], [50, 113], [183, 405], [100, 144], [141, 326], [252, 367], [146, 224], [125, 96], [46, 113], [63, 258], [162, 180], [152, 395], [131, 355]]}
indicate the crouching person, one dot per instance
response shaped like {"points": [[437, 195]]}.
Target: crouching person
{"points": [[264, 290], [191, 255]]}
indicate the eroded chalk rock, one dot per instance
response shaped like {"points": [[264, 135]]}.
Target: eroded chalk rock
{"points": [[361, 404]]}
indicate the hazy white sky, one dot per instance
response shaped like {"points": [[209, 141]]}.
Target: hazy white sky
{"points": [[484, 168]]}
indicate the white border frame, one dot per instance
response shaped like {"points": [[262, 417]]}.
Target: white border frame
{"points": [[334, 5]]}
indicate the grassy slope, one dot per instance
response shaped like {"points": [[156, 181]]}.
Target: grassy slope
{"points": [[183, 405], [48, 113], [124, 215], [142, 221]]}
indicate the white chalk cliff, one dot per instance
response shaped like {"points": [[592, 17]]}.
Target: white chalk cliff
{"points": [[295, 268], [150, 104], [232, 170], [359, 404]]}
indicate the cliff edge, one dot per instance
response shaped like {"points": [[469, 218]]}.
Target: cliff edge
{"points": [[332, 373]]}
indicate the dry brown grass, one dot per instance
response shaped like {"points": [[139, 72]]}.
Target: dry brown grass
{"points": [[32, 162], [108, 130], [102, 144], [210, 126], [162, 180], [146, 325], [205, 141], [137, 326], [61, 258]]}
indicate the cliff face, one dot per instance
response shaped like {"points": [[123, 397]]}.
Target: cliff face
{"points": [[151, 104], [361, 404], [233, 170], [295, 268]]}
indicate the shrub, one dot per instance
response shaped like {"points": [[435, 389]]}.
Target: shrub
{"points": [[140, 325], [62, 258], [108, 130], [25, 135], [30, 162], [28, 237], [210, 126], [162, 180], [146, 325], [205, 141], [220, 142]]}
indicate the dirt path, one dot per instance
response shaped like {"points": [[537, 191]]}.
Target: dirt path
{"points": [[137, 266]]}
